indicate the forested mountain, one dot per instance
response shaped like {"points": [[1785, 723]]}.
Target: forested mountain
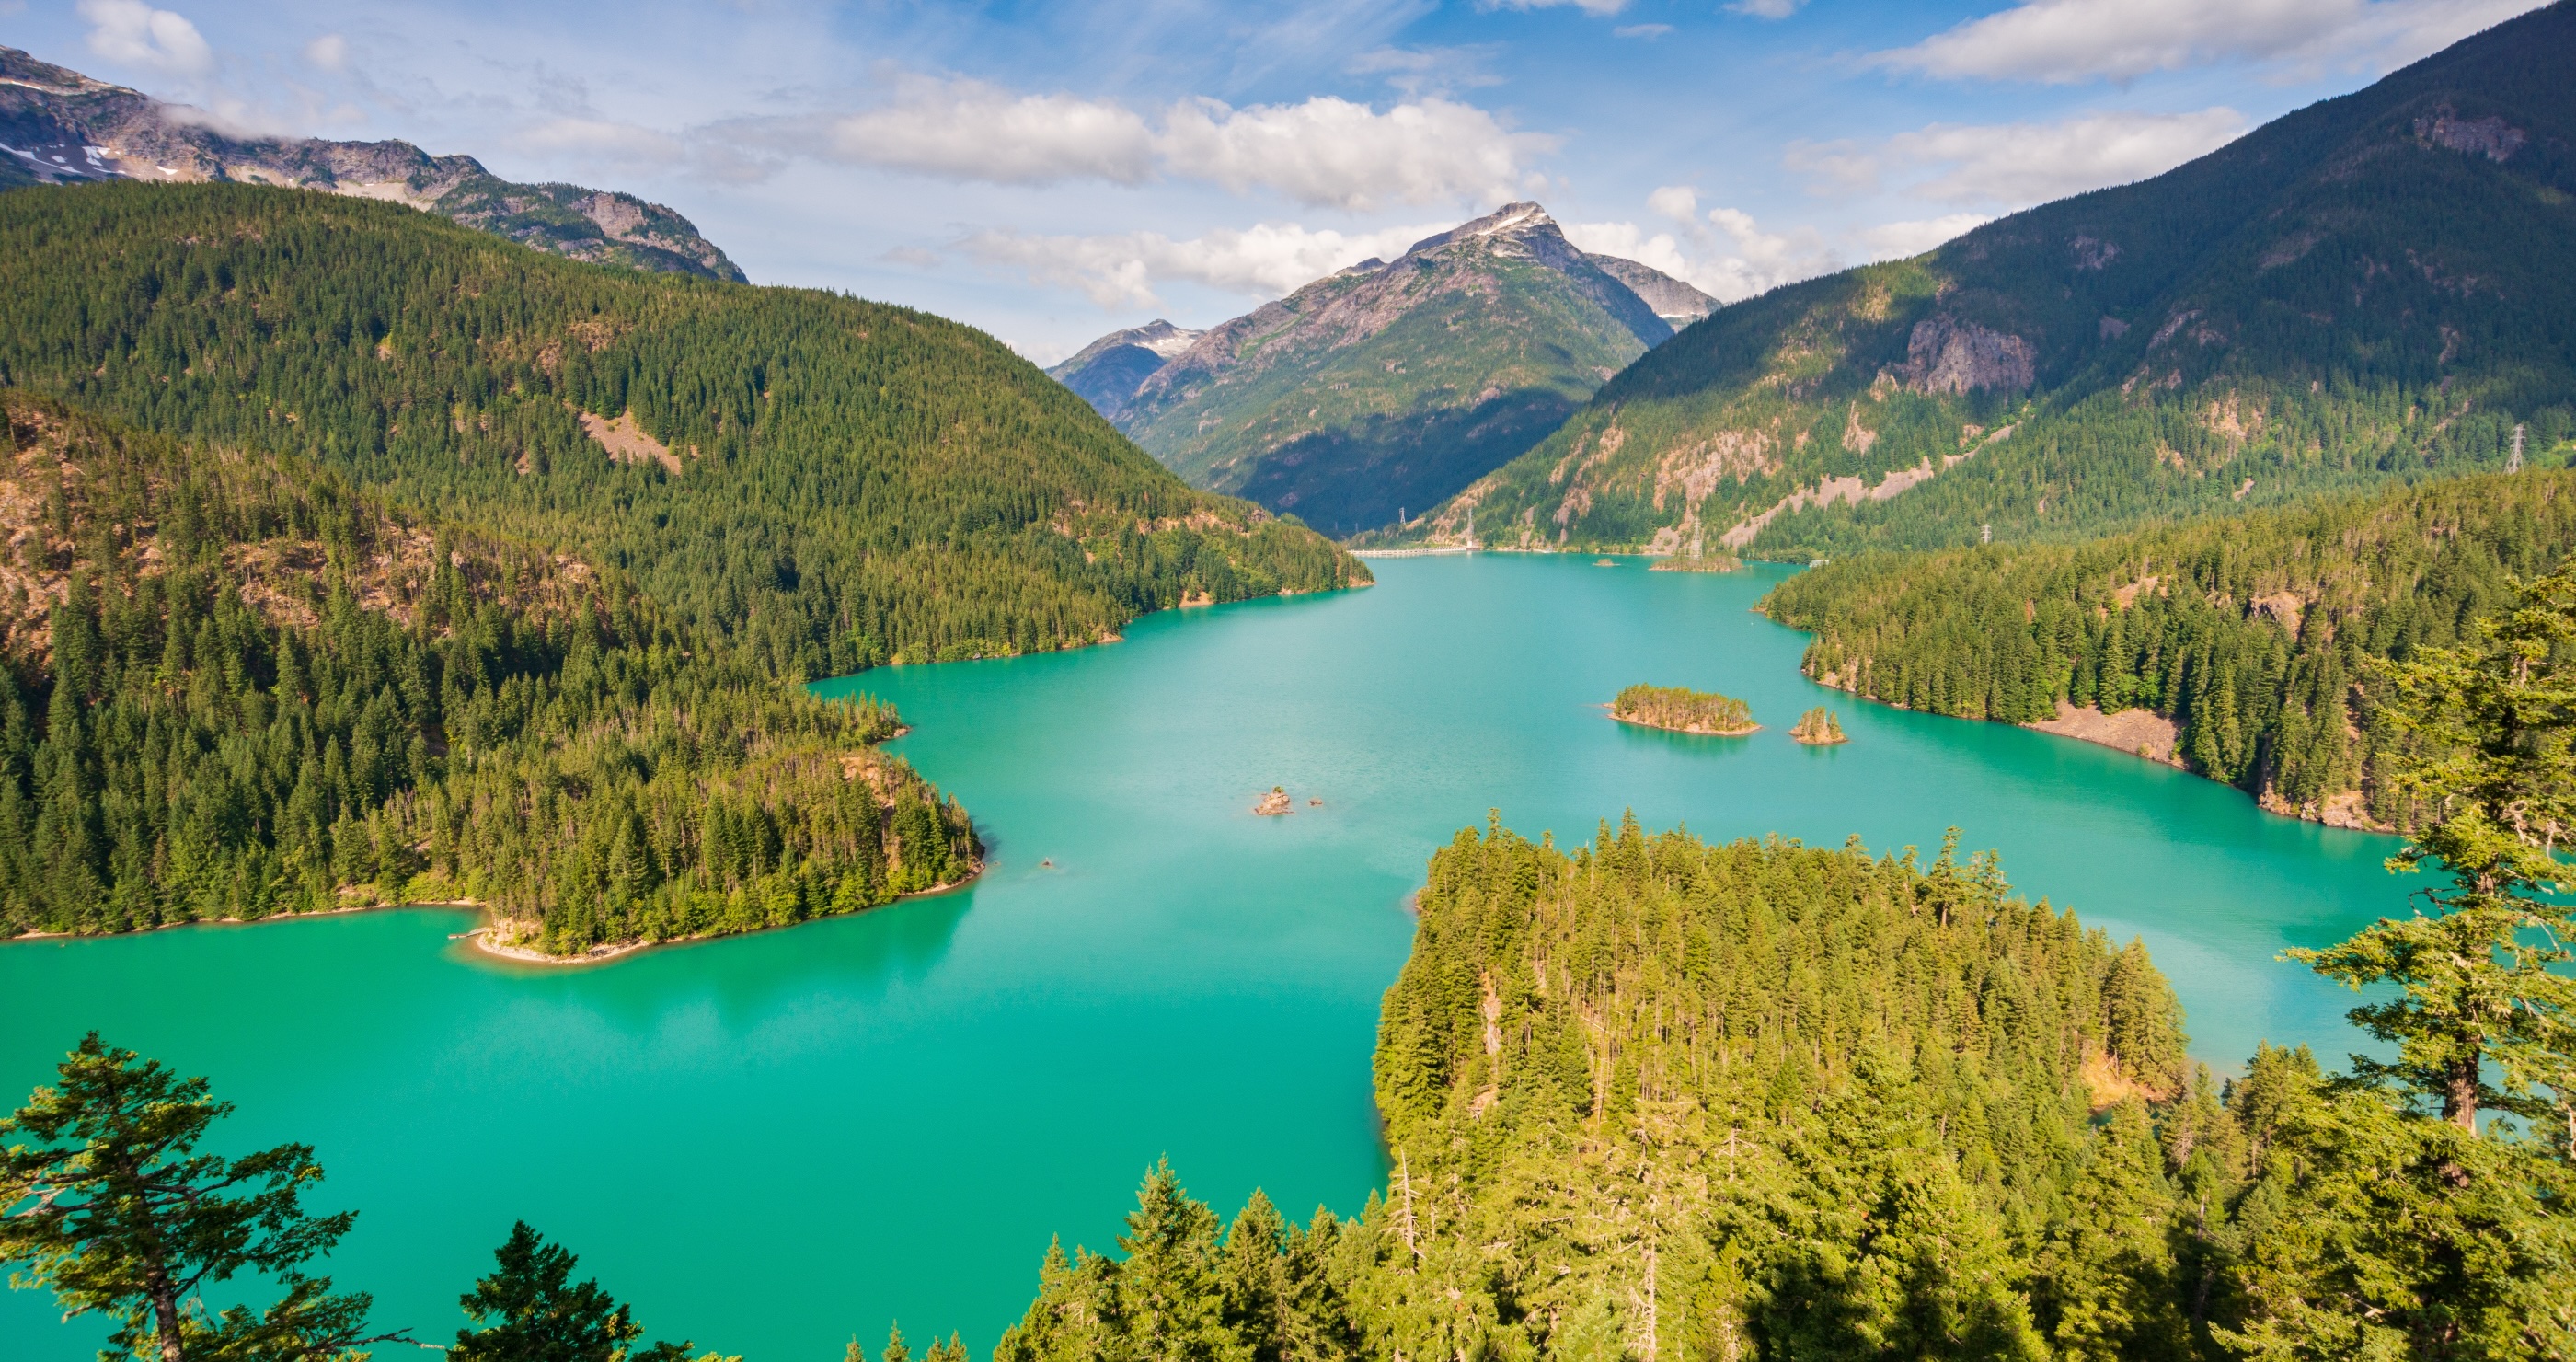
{"points": [[232, 686], [1670, 1102], [827, 483], [2258, 635], [58, 126], [1388, 386], [2372, 287]]}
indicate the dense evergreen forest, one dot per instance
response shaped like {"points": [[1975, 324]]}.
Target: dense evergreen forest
{"points": [[1663, 1100], [2257, 634], [2370, 288], [237, 686], [828, 483]]}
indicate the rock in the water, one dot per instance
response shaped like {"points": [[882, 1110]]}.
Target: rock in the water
{"points": [[1275, 802]]}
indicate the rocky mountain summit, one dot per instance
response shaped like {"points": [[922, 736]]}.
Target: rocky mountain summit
{"points": [[58, 126], [1388, 385], [1108, 371]]}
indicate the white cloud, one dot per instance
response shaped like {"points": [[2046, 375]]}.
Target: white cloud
{"points": [[1330, 152], [1324, 152], [134, 33], [329, 52], [1599, 9], [1649, 32], [1898, 240], [1676, 201], [1122, 271], [2066, 41], [2013, 165], [968, 130], [1725, 255], [1767, 9]]}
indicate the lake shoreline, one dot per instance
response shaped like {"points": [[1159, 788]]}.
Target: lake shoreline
{"points": [[480, 939], [1694, 730]]}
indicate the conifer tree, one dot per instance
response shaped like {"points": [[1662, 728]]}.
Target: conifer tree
{"points": [[2482, 974], [112, 1208], [528, 1309]]}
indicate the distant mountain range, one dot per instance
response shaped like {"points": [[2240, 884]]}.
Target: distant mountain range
{"points": [[59, 126], [2375, 287], [1387, 386]]}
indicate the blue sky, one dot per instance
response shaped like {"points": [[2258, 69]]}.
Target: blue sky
{"points": [[1052, 171]]}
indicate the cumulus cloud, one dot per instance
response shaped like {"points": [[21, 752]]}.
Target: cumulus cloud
{"points": [[1676, 201], [135, 34], [1725, 254], [329, 52], [1333, 153], [968, 130], [1324, 152], [1122, 271], [2067, 41], [2013, 165]]}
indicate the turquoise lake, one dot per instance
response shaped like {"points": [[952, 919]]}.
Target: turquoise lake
{"points": [[771, 1143]]}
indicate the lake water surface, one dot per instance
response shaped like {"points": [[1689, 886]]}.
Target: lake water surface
{"points": [[772, 1143]]}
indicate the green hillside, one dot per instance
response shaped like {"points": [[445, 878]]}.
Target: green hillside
{"points": [[831, 483], [2258, 635], [1385, 388], [1664, 1101], [2370, 288], [233, 686]]}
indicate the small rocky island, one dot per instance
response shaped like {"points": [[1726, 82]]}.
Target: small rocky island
{"points": [[1275, 803], [1819, 728], [1693, 562], [1682, 710]]}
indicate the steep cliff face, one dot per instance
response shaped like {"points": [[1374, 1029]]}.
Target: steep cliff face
{"points": [[1677, 303], [58, 126], [1387, 386], [2370, 288]]}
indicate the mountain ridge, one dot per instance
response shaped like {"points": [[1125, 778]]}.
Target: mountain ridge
{"points": [[60, 126], [2360, 290], [1387, 385]]}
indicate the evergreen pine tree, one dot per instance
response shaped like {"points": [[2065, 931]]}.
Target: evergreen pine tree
{"points": [[112, 1208]]}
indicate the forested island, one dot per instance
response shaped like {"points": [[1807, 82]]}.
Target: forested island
{"points": [[1683, 710], [1818, 728]]}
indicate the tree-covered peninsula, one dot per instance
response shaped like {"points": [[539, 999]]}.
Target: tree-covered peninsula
{"points": [[2257, 636], [234, 686], [1683, 710]]}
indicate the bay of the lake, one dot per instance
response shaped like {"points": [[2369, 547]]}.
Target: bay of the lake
{"points": [[773, 1143]]}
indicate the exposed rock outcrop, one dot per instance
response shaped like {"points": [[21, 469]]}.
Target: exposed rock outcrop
{"points": [[1947, 355]]}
